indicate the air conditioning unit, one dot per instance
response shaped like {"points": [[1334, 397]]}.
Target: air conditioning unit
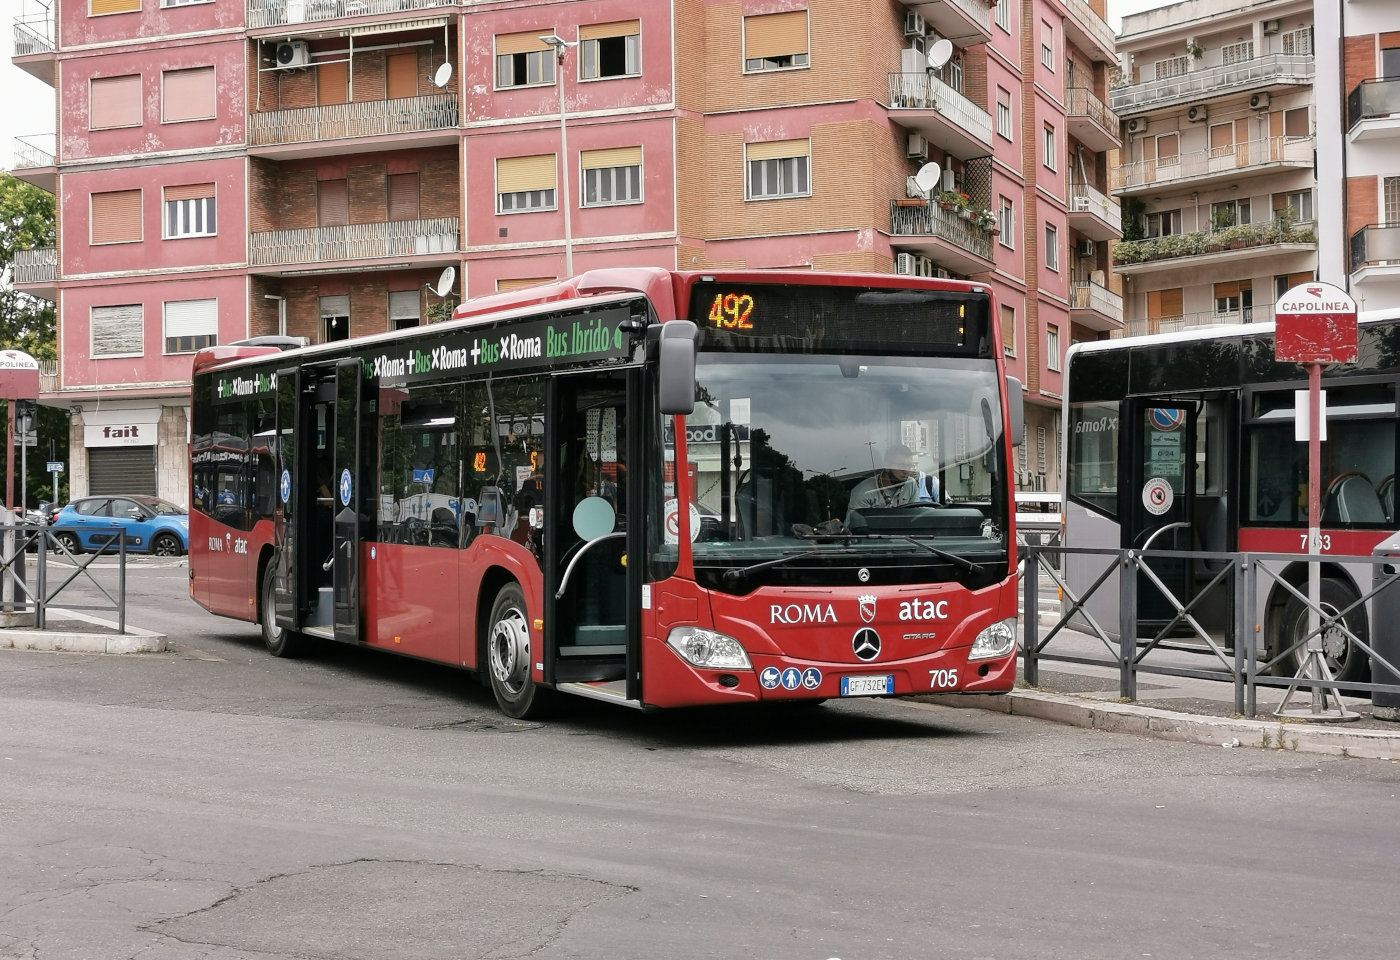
{"points": [[1270, 26], [918, 45], [926, 267], [1079, 204], [950, 180], [913, 24], [292, 54], [1137, 125], [906, 264], [917, 148], [1259, 101], [1197, 114], [1085, 248]]}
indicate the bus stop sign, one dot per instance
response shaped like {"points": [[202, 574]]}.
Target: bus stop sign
{"points": [[1315, 323]]}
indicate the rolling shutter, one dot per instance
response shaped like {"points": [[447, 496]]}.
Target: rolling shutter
{"points": [[187, 94], [98, 7], [403, 196], [122, 470], [403, 305], [403, 75], [615, 157], [114, 102], [518, 174], [527, 42], [778, 149], [775, 35], [602, 31], [519, 282], [333, 209], [191, 325], [116, 217], [332, 83]]}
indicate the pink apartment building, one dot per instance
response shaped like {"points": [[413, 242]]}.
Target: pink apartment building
{"points": [[235, 168]]}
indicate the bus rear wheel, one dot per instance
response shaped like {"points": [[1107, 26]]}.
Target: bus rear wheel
{"points": [[508, 657], [280, 641], [1345, 660]]}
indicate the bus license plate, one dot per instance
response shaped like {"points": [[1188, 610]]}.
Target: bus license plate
{"points": [[866, 686]]}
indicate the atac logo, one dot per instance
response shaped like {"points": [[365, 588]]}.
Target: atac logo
{"points": [[867, 608], [798, 613], [923, 610]]}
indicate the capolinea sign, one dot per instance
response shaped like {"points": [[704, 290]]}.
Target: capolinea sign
{"points": [[1315, 322]]}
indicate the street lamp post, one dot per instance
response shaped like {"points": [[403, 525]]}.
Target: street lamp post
{"points": [[560, 46]]}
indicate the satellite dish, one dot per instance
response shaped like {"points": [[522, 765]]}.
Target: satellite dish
{"points": [[444, 281], [927, 177], [940, 53], [443, 75]]}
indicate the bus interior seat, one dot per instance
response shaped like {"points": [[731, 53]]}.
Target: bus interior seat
{"points": [[1351, 499]]}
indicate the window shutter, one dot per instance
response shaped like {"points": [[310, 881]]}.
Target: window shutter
{"points": [[187, 94], [99, 7], [527, 42], [332, 83], [118, 331], [602, 31], [778, 149], [114, 102], [191, 191], [775, 35], [403, 75], [191, 319], [403, 304], [333, 206], [517, 174], [519, 282], [403, 196], [616, 157], [335, 306], [116, 217]]}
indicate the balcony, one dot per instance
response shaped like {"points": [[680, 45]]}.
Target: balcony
{"points": [[1095, 306], [1201, 168], [944, 236], [965, 22], [1089, 32], [1373, 110], [49, 381], [34, 46], [276, 13], [33, 160], [943, 116], [1141, 326], [427, 240], [1261, 73], [1094, 214], [1091, 122], [1375, 253], [355, 121], [1230, 245], [36, 271]]}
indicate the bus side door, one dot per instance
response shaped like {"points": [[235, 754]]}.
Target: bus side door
{"points": [[1160, 507]]}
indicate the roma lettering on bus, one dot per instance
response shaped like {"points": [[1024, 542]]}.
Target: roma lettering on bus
{"points": [[796, 613], [1100, 425], [449, 358]]}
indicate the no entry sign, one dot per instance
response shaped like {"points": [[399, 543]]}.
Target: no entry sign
{"points": [[1315, 323]]}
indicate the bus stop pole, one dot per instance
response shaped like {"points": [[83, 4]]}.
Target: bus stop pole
{"points": [[1314, 644]]}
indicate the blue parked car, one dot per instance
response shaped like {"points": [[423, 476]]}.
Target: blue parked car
{"points": [[152, 525]]}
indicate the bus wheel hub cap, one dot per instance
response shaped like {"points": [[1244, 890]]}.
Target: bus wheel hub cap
{"points": [[510, 650]]}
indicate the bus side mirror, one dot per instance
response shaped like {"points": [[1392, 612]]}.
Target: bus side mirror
{"points": [[1016, 410], [676, 367]]}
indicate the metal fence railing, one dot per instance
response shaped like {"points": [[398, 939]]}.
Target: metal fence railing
{"points": [[23, 593]]}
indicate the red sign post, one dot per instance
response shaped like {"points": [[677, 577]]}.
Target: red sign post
{"points": [[1315, 323]]}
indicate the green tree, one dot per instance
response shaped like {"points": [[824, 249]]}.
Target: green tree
{"points": [[28, 323]]}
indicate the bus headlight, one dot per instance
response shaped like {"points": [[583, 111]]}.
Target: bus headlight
{"points": [[708, 649], [996, 640]]}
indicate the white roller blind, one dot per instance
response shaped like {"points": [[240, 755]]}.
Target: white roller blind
{"points": [[335, 306], [403, 304], [191, 318]]}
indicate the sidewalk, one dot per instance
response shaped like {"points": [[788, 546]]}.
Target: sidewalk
{"points": [[74, 632]]}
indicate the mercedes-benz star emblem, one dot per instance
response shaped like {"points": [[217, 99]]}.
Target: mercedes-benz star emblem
{"points": [[866, 644], [863, 574]]}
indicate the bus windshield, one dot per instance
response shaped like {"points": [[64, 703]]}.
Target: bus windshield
{"points": [[809, 464]]}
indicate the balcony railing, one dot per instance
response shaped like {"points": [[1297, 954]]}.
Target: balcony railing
{"points": [[357, 241], [1085, 199], [1083, 103], [275, 13], [48, 377], [1371, 99], [1377, 244], [365, 118], [33, 34], [1140, 326], [1201, 242], [931, 220], [979, 13], [1261, 71], [33, 150], [1092, 24], [1092, 296], [1231, 159], [36, 266], [920, 91]]}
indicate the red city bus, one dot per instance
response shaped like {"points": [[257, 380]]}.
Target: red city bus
{"points": [[503, 492]]}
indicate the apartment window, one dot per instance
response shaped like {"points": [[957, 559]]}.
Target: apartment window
{"points": [[117, 331], [611, 176], [1007, 236], [332, 83], [1391, 197], [1168, 148], [523, 59], [335, 318], [189, 211], [516, 283], [403, 196], [1163, 223], [332, 204], [1231, 296], [1040, 440], [779, 168], [1298, 41], [1047, 45], [114, 102], [1052, 354], [1291, 123], [191, 325], [401, 75], [1297, 204], [1050, 149], [610, 50], [1287, 281], [116, 217], [187, 95], [1237, 52], [1227, 213], [97, 8], [403, 309], [775, 41], [525, 184], [1008, 330], [1004, 15], [182, 3], [1052, 248], [1004, 125]]}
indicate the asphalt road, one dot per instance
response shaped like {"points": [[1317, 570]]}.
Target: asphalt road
{"points": [[213, 803]]}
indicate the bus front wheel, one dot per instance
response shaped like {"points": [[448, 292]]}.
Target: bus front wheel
{"points": [[1345, 660], [508, 656], [280, 641]]}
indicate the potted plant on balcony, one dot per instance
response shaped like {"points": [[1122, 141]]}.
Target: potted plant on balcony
{"points": [[987, 221], [954, 200], [1193, 49]]}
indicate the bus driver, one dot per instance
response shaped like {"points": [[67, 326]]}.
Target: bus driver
{"points": [[894, 486]]}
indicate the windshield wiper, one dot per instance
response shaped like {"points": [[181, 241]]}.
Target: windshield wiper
{"points": [[734, 574], [969, 565]]}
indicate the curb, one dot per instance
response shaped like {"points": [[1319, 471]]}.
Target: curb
{"points": [[1334, 740], [64, 640]]}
